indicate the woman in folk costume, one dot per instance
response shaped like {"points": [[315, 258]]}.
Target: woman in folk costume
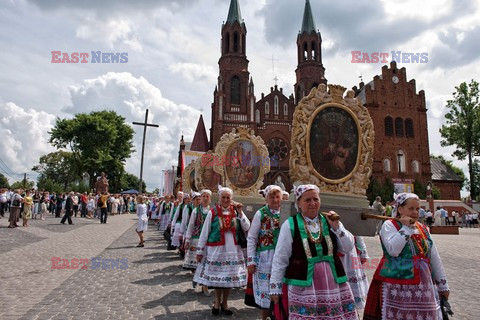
{"points": [[353, 264], [192, 234], [222, 262], [142, 220], [196, 200], [262, 239], [164, 213], [177, 221], [306, 259], [410, 276]]}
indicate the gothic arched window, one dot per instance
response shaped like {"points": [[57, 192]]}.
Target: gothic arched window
{"points": [[235, 90], [267, 108], [305, 51], [275, 105], [389, 127], [257, 116], [226, 47], [235, 42], [399, 127], [285, 109], [401, 161], [314, 56], [409, 128]]}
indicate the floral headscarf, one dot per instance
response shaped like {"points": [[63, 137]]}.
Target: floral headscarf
{"points": [[400, 199], [301, 189]]}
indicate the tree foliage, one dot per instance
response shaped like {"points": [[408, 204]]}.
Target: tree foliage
{"points": [[4, 181], [462, 128], [100, 142], [29, 184], [378, 188], [57, 171], [131, 181]]}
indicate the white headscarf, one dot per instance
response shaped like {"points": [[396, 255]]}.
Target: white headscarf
{"points": [[301, 189], [271, 188], [400, 199]]}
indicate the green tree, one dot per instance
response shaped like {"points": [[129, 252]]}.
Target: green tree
{"points": [[29, 184], [378, 188], [156, 191], [57, 168], [131, 181], [100, 142], [4, 181], [476, 174], [50, 185], [462, 128]]}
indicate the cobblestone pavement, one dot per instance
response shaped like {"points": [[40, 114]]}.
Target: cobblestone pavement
{"points": [[153, 285]]}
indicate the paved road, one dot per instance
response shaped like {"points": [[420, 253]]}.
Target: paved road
{"points": [[148, 283]]}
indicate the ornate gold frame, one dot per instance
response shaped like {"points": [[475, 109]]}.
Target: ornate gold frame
{"points": [[221, 151], [301, 169], [186, 177]]}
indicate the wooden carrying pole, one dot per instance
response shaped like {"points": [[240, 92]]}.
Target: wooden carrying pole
{"points": [[366, 216]]}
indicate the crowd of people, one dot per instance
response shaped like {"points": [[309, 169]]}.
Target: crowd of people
{"points": [[309, 267], [36, 204]]}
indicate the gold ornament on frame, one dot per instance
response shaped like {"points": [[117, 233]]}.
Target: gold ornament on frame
{"points": [[332, 141]]}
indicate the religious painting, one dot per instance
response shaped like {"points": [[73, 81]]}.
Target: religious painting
{"points": [[205, 176], [188, 178], [192, 180], [241, 159], [333, 142], [241, 164]]}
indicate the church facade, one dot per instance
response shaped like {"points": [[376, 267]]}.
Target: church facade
{"points": [[398, 112]]}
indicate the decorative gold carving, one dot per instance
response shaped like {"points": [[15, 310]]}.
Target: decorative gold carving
{"points": [[301, 168], [188, 182], [242, 172]]}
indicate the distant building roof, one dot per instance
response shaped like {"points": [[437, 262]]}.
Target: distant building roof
{"points": [[441, 171], [200, 140]]}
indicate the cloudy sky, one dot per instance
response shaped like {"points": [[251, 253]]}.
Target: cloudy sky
{"points": [[173, 48]]}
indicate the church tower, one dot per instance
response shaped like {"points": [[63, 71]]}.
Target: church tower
{"points": [[310, 71], [234, 100]]}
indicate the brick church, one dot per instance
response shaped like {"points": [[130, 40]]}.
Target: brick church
{"points": [[399, 113]]}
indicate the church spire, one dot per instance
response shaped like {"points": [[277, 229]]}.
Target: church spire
{"points": [[234, 13], [308, 24]]}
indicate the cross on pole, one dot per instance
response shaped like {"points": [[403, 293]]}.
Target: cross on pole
{"points": [[145, 125]]}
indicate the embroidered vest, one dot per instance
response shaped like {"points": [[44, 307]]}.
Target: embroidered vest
{"points": [[269, 230], [217, 234], [166, 208], [305, 254], [198, 223], [189, 212], [180, 214], [405, 269]]}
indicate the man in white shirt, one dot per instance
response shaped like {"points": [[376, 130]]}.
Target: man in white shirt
{"points": [[437, 218]]}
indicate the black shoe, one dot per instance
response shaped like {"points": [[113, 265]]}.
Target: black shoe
{"points": [[215, 311], [141, 245], [226, 312], [62, 222]]}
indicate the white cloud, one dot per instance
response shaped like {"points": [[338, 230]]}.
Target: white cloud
{"points": [[110, 32], [130, 97], [194, 72], [24, 135]]}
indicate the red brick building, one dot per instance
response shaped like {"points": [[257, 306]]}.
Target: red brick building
{"points": [[398, 112], [399, 117], [235, 103]]}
